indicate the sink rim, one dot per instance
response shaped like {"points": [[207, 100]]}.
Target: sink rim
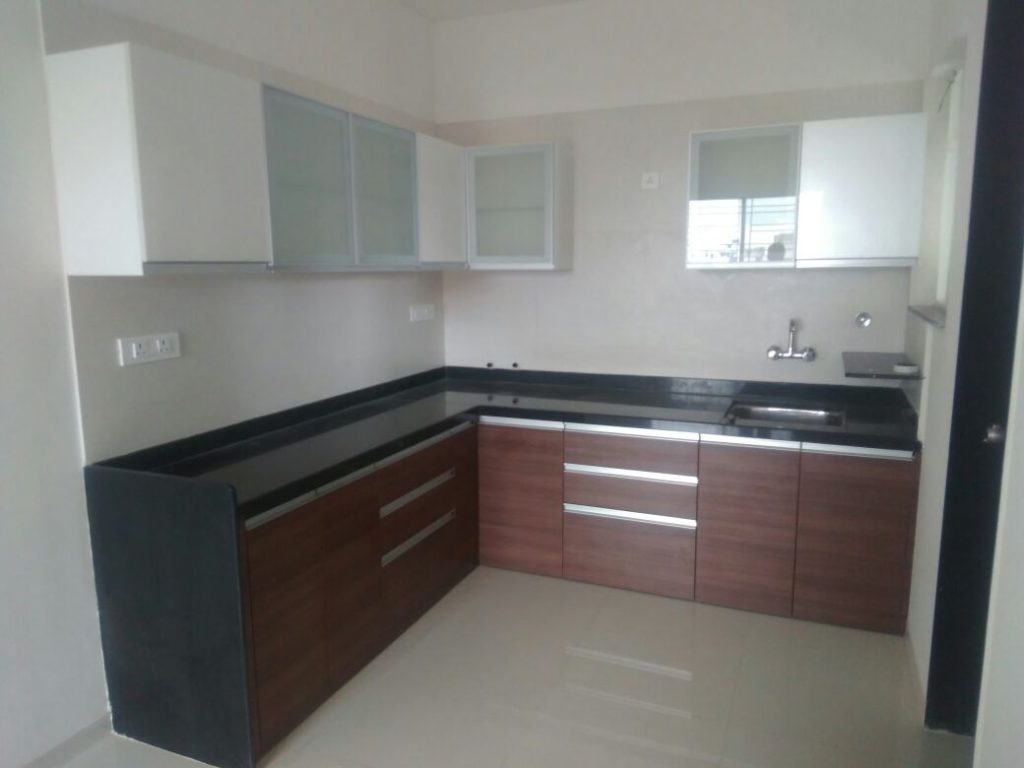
{"points": [[788, 413]]}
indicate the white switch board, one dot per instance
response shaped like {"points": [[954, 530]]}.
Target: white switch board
{"points": [[134, 350], [420, 312]]}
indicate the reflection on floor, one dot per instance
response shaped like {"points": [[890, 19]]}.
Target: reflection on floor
{"points": [[517, 671]]}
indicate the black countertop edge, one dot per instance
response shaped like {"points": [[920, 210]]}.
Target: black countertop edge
{"points": [[189, 447], [675, 385]]}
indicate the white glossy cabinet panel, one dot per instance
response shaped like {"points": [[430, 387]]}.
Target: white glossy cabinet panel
{"points": [[441, 194], [861, 186], [308, 160], [520, 207], [384, 186], [159, 161]]}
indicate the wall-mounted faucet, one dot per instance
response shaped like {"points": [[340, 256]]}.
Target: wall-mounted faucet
{"points": [[807, 354]]}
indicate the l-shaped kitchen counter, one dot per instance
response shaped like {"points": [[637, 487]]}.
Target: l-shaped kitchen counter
{"points": [[175, 528]]}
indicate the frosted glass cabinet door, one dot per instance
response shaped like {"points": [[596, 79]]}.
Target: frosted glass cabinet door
{"points": [[861, 186], [384, 175], [511, 190], [310, 195]]}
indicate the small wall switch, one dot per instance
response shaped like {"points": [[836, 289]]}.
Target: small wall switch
{"points": [[135, 350], [650, 180], [420, 312]]}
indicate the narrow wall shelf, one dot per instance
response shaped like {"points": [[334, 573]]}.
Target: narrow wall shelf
{"points": [[878, 365], [933, 314]]}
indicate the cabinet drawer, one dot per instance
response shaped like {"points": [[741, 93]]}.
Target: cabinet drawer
{"points": [[673, 498], [627, 554], [411, 472], [419, 571], [409, 514], [627, 451]]}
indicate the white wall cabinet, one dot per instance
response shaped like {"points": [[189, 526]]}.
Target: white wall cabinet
{"points": [[832, 193], [441, 194], [519, 207], [159, 163], [861, 187]]}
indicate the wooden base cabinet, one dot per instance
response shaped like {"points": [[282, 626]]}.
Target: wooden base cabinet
{"points": [[520, 465], [855, 537], [747, 513], [334, 580]]}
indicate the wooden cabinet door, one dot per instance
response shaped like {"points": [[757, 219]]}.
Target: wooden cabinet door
{"points": [[521, 498], [855, 540], [746, 527], [464, 449], [289, 632], [353, 578]]}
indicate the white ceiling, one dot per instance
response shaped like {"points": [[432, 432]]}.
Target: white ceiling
{"points": [[440, 10]]}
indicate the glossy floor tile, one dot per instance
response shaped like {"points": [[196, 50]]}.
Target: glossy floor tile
{"points": [[518, 671]]}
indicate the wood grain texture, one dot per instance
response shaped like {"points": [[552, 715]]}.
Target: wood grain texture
{"points": [[464, 454], [413, 517], [289, 632], [746, 534], [854, 540], [631, 495], [521, 499], [621, 452], [417, 579], [398, 479], [353, 579], [639, 556]]}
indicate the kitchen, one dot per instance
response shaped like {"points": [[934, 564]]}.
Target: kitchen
{"points": [[621, 301]]}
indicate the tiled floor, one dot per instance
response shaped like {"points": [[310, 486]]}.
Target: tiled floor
{"points": [[517, 671]]}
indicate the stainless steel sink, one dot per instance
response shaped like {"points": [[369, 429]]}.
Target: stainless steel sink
{"points": [[785, 414]]}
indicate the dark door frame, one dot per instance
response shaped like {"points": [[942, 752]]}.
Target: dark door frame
{"points": [[984, 370]]}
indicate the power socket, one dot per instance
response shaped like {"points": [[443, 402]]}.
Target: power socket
{"points": [[135, 350]]}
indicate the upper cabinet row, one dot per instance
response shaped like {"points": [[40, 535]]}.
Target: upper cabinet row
{"points": [[163, 164], [829, 193]]}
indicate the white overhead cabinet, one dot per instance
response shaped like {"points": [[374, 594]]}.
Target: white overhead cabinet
{"points": [[829, 193], [520, 207], [861, 187], [441, 194], [159, 163]]}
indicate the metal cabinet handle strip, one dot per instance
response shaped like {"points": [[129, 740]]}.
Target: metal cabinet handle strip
{"points": [[415, 539], [751, 442], [502, 421], [636, 517], [853, 450], [651, 434], [415, 493], [292, 504], [631, 474]]}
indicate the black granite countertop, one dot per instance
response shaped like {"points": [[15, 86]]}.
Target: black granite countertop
{"points": [[273, 459]]}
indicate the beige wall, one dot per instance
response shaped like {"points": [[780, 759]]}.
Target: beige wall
{"points": [[51, 674], [628, 305], [251, 345], [596, 54], [957, 36], [371, 56]]}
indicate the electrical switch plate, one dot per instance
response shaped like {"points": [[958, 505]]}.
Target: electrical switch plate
{"points": [[420, 312], [650, 180], [134, 350]]}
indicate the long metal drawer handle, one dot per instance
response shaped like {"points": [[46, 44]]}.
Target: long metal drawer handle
{"points": [[504, 421], [751, 442], [864, 453], [643, 432], [631, 474], [637, 517], [415, 539], [415, 493]]}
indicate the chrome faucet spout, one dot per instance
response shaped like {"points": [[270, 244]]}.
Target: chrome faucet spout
{"points": [[807, 354]]}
